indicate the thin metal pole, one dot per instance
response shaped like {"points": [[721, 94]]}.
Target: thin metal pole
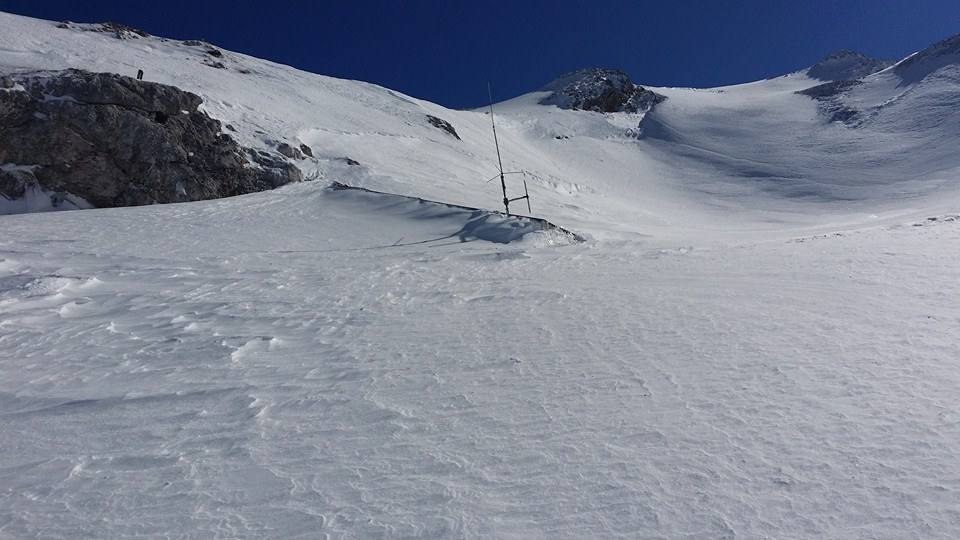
{"points": [[503, 182], [526, 195]]}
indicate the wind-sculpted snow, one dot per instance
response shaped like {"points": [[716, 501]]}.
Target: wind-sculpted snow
{"points": [[279, 365], [852, 142], [477, 224]]}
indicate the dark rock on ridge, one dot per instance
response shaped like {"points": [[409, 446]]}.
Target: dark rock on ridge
{"points": [[600, 90], [444, 125], [119, 31], [289, 151], [829, 94], [830, 89], [844, 64]]}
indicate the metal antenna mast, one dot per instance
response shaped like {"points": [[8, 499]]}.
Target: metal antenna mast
{"points": [[503, 181]]}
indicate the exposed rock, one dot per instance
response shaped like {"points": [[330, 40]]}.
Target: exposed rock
{"points": [[207, 47], [843, 114], [306, 150], [830, 89], [845, 65], [828, 95], [600, 90], [843, 70], [119, 31], [211, 53], [122, 31], [117, 141], [289, 151], [276, 172], [14, 182], [443, 124]]}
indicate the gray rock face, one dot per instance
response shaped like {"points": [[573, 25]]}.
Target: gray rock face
{"points": [[830, 89], [117, 141], [843, 65], [440, 123], [119, 31], [290, 151], [600, 90]]}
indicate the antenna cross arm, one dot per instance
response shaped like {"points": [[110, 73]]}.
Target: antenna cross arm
{"points": [[494, 177]]}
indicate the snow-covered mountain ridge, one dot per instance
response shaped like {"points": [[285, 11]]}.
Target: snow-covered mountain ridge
{"points": [[845, 65], [755, 149]]}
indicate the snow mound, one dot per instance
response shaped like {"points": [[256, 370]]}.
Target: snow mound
{"points": [[470, 223]]}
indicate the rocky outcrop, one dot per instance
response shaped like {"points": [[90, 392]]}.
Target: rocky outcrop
{"points": [[842, 71], [116, 141], [440, 123], [290, 151], [844, 65], [600, 90], [830, 89], [119, 31], [829, 95]]}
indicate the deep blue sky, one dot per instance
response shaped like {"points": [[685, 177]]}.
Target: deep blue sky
{"points": [[445, 51]]}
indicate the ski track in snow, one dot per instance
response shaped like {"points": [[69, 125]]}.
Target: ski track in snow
{"points": [[222, 390]]}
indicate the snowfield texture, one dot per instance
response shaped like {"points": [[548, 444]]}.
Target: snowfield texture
{"points": [[759, 338]]}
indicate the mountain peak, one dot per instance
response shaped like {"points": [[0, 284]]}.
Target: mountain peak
{"points": [[599, 90], [844, 53], [616, 77], [845, 64]]}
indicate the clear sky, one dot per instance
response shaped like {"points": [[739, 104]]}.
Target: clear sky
{"points": [[446, 51]]}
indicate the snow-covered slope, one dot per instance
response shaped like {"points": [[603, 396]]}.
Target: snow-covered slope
{"points": [[758, 340], [715, 159]]}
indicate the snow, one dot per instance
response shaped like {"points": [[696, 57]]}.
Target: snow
{"points": [[36, 199], [758, 339]]}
